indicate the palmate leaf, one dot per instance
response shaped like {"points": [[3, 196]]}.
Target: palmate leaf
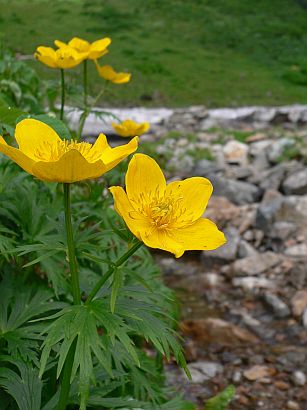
{"points": [[18, 305], [25, 386]]}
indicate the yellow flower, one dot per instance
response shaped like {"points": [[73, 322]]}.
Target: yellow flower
{"points": [[167, 217], [45, 155], [93, 50], [64, 57], [109, 74], [130, 128]]}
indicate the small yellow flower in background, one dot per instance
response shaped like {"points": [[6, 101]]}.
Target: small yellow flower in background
{"points": [[64, 57], [167, 217], [45, 155], [94, 50], [130, 128], [109, 74]]}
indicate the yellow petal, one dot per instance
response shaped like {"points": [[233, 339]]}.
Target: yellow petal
{"points": [[99, 146], [71, 167], [194, 194], [60, 44], [17, 156], [121, 78], [32, 134], [142, 128], [79, 44], [113, 156], [47, 56], [99, 48], [144, 177], [120, 129], [201, 235], [160, 239], [135, 221]]}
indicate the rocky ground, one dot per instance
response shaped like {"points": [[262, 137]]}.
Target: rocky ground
{"points": [[244, 306]]}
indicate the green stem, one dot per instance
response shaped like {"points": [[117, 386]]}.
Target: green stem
{"points": [[62, 94], [71, 247], [85, 82], [112, 268], [66, 375]]}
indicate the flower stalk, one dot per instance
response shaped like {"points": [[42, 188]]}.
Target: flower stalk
{"points": [[111, 269], [62, 94], [75, 287]]}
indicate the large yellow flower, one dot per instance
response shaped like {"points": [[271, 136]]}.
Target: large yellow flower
{"points": [[109, 74], [64, 57], [93, 50], [130, 128], [45, 155], [167, 217]]}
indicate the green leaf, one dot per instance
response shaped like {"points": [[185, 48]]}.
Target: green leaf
{"points": [[8, 115], [56, 124], [221, 400], [116, 284], [25, 387]]}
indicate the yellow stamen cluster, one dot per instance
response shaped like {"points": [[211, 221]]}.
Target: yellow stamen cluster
{"points": [[52, 152]]}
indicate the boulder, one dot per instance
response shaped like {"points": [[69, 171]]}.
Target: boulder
{"points": [[255, 264], [296, 183]]}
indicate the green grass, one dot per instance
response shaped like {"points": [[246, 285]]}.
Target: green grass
{"points": [[181, 52]]}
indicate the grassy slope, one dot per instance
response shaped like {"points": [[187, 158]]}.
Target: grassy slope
{"points": [[181, 52]]}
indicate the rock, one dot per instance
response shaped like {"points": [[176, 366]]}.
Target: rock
{"points": [[221, 211], [202, 370], [297, 251], [296, 183], [291, 209], [250, 283], [258, 151], [256, 264], [227, 252], [171, 266], [278, 147], [205, 167], [182, 165], [257, 372], [304, 319], [212, 331], [282, 230], [270, 178], [299, 302], [264, 115], [236, 152], [279, 307], [299, 378], [292, 405], [245, 249], [237, 376], [238, 192]]}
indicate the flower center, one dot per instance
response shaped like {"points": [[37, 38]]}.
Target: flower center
{"points": [[53, 152]]}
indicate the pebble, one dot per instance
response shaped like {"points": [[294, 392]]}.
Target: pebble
{"points": [[304, 318], [299, 378], [292, 405], [279, 307]]}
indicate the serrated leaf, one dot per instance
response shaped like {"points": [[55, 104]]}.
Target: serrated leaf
{"points": [[25, 388]]}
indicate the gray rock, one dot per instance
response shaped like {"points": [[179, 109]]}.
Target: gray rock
{"points": [[297, 251], [237, 376], [278, 147], [304, 318], [280, 309], [202, 371], [239, 172], [238, 192], [251, 282], [258, 151], [205, 167], [227, 252], [245, 249], [296, 184], [256, 264], [271, 178], [282, 230], [299, 378], [291, 209]]}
